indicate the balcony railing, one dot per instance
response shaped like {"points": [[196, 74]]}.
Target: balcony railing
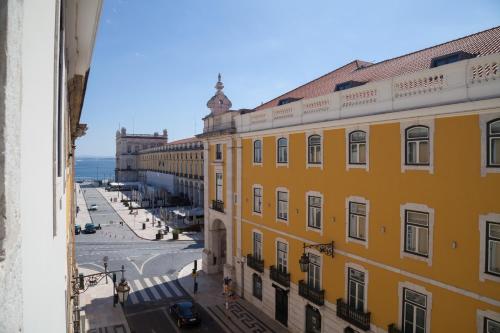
{"points": [[314, 295], [393, 329], [356, 317], [279, 276], [255, 263], [218, 205]]}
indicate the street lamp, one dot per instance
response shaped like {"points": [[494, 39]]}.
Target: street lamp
{"points": [[327, 248], [123, 289]]}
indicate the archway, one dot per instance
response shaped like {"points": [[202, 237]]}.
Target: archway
{"points": [[218, 246]]}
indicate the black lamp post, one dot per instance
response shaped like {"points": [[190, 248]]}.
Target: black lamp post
{"points": [[326, 248], [123, 289]]}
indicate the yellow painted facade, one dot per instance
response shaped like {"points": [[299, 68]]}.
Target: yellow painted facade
{"points": [[455, 190]]}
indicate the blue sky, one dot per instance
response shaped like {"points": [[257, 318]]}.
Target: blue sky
{"points": [[156, 62]]}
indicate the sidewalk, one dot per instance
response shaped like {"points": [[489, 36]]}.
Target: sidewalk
{"points": [[241, 316], [134, 222], [83, 215], [98, 311]]}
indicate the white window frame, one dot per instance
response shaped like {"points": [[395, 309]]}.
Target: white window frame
{"points": [[346, 283], [428, 308], [483, 219], [315, 194], [322, 147], [404, 125], [216, 171], [221, 152], [257, 231], [484, 119], [348, 131], [282, 240], [366, 202], [419, 208], [281, 164], [282, 189], [261, 151], [316, 253], [481, 315], [258, 186]]}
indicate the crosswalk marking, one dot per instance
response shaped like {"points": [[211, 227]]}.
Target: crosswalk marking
{"points": [[171, 285], [151, 288], [162, 287], [155, 288], [141, 290], [132, 296]]}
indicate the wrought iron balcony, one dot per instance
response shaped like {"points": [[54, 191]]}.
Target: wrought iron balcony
{"points": [[393, 329], [351, 315], [255, 263], [279, 276], [218, 205], [314, 295]]}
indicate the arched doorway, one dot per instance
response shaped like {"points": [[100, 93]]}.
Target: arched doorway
{"points": [[218, 245]]}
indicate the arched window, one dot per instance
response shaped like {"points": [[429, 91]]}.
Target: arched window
{"points": [[257, 151], [357, 147], [314, 149], [417, 145], [493, 139], [282, 150]]}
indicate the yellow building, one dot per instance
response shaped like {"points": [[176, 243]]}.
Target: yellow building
{"points": [[367, 199], [175, 168]]}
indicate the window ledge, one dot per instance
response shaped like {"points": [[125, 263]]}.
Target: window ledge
{"points": [[282, 165], [410, 167], [318, 230], [314, 165], [428, 260], [257, 164], [357, 241], [256, 213]]}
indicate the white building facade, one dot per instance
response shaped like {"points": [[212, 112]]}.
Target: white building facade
{"points": [[44, 66]]}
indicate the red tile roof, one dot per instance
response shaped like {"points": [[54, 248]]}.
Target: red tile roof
{"points": [[481, 43]]}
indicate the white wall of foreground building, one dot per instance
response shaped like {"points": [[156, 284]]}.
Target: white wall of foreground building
{"points": [[35, 231]]}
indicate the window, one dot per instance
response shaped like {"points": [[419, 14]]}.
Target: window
{"points": [[257, 286], [314, 271], [491, 326], [218, 152], [357, 220], [282, 205], [450, 58], [314, 149], [218, 185], [257, 200], [493, 248], [417, 145], [357, 147], [414, 311], [287, 100], [257, 151], [348, 85], [493, 143], [282, 150], [257, 245], [417, 233], [314, 212], [282, 256], [356, 289]]}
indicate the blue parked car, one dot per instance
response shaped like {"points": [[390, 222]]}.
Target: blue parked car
{"points": [[78, 229], [90, 228]]}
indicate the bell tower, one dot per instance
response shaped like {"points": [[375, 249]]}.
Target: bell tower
{"points": [[219, 103]]}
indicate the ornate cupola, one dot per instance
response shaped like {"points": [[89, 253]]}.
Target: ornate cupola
{"points": [[219, 103]]}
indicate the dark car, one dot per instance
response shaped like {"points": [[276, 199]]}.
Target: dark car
{"points": [[78, 229], [90, 228], [185, 313]]}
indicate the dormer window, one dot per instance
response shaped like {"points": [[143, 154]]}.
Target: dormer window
{"points": [[450, 58], [287, 100], [348, 85]]}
